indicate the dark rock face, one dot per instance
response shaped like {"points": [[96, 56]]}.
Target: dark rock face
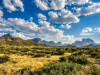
{"points": [[37, 40], [8, 36], [84, 42], [59, 44], [50, 43], [93, 45]]}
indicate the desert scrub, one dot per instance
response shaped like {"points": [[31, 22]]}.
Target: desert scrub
{"points": [[39, 55], [95, 54], [4, 59], [23, 71], [63, 59], [61, 51], [78, 53], [95, 70], [48, 56], [79, 59], [59, 68]]}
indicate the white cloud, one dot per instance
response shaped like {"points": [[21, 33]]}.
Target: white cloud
{"points": [[87, 31], [65, 26], [78, 2], [20, 35], [90, 31], [42, 17], [45, 30], [52, 4], [31, 19], [97, 30], [92, 9], [1, 34], [12, 5], [63, 17], [57, 4], [42, 4], [1, 13], [53, 14], [6, 29], [22, 25]]}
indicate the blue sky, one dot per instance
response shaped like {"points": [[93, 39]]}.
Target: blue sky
{"points": [[57, 20]]}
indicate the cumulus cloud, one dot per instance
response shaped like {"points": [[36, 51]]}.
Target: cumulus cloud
{"points": [[20, 35], [22, 25], [1, 34], [1, 13], [6, 29], [57, 4], [92, 9], [65, 26], [90, 31], [31, 19], [87, 31], [97, 30], [42, 17], [63, 17], [42, 4], [78, 2], [12, 5], [52, 4], [45, 30]]}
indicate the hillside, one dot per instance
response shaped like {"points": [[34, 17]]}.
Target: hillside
{"points": [[8, 39], [49, 43], [84, 42]]}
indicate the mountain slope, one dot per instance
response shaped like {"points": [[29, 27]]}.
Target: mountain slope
{"points": [[49, 43], [7, 39], [84, 42]]}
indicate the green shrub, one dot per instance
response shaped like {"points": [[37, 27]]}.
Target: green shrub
{"points": [[95, 71], [23, 71], [39, 55], [78, 59], [59, 68], [4, 59], [95, 54], [25, 50], [61, 51], [48, 56], [63, 59], [78, 53], [83, 60]]}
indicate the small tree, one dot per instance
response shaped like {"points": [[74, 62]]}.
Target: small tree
{"points": [[61, 51]]}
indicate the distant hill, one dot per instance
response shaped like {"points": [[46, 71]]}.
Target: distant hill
{"points": [[8, 36], [8, 39], [92, 45], [84, 42], [49, 43]]}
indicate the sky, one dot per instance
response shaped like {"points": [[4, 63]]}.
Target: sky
{"points": [[53, 20]]}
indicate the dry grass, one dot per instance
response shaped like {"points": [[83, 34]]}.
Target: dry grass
{"points": [[18, 62]]}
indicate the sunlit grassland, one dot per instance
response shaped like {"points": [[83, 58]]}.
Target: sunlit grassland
{"points": [[38, 60], [18, 62]]}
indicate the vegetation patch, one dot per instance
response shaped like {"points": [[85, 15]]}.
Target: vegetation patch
{"points": [[4, 59], [59, 68], [79, 59], [39, 55]]}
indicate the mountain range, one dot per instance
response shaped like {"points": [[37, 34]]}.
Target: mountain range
{"points": [[84, 42], [8, 39], [50, 43]]}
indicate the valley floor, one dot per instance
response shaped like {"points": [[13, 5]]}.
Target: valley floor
{"points": [[18, 62]]}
